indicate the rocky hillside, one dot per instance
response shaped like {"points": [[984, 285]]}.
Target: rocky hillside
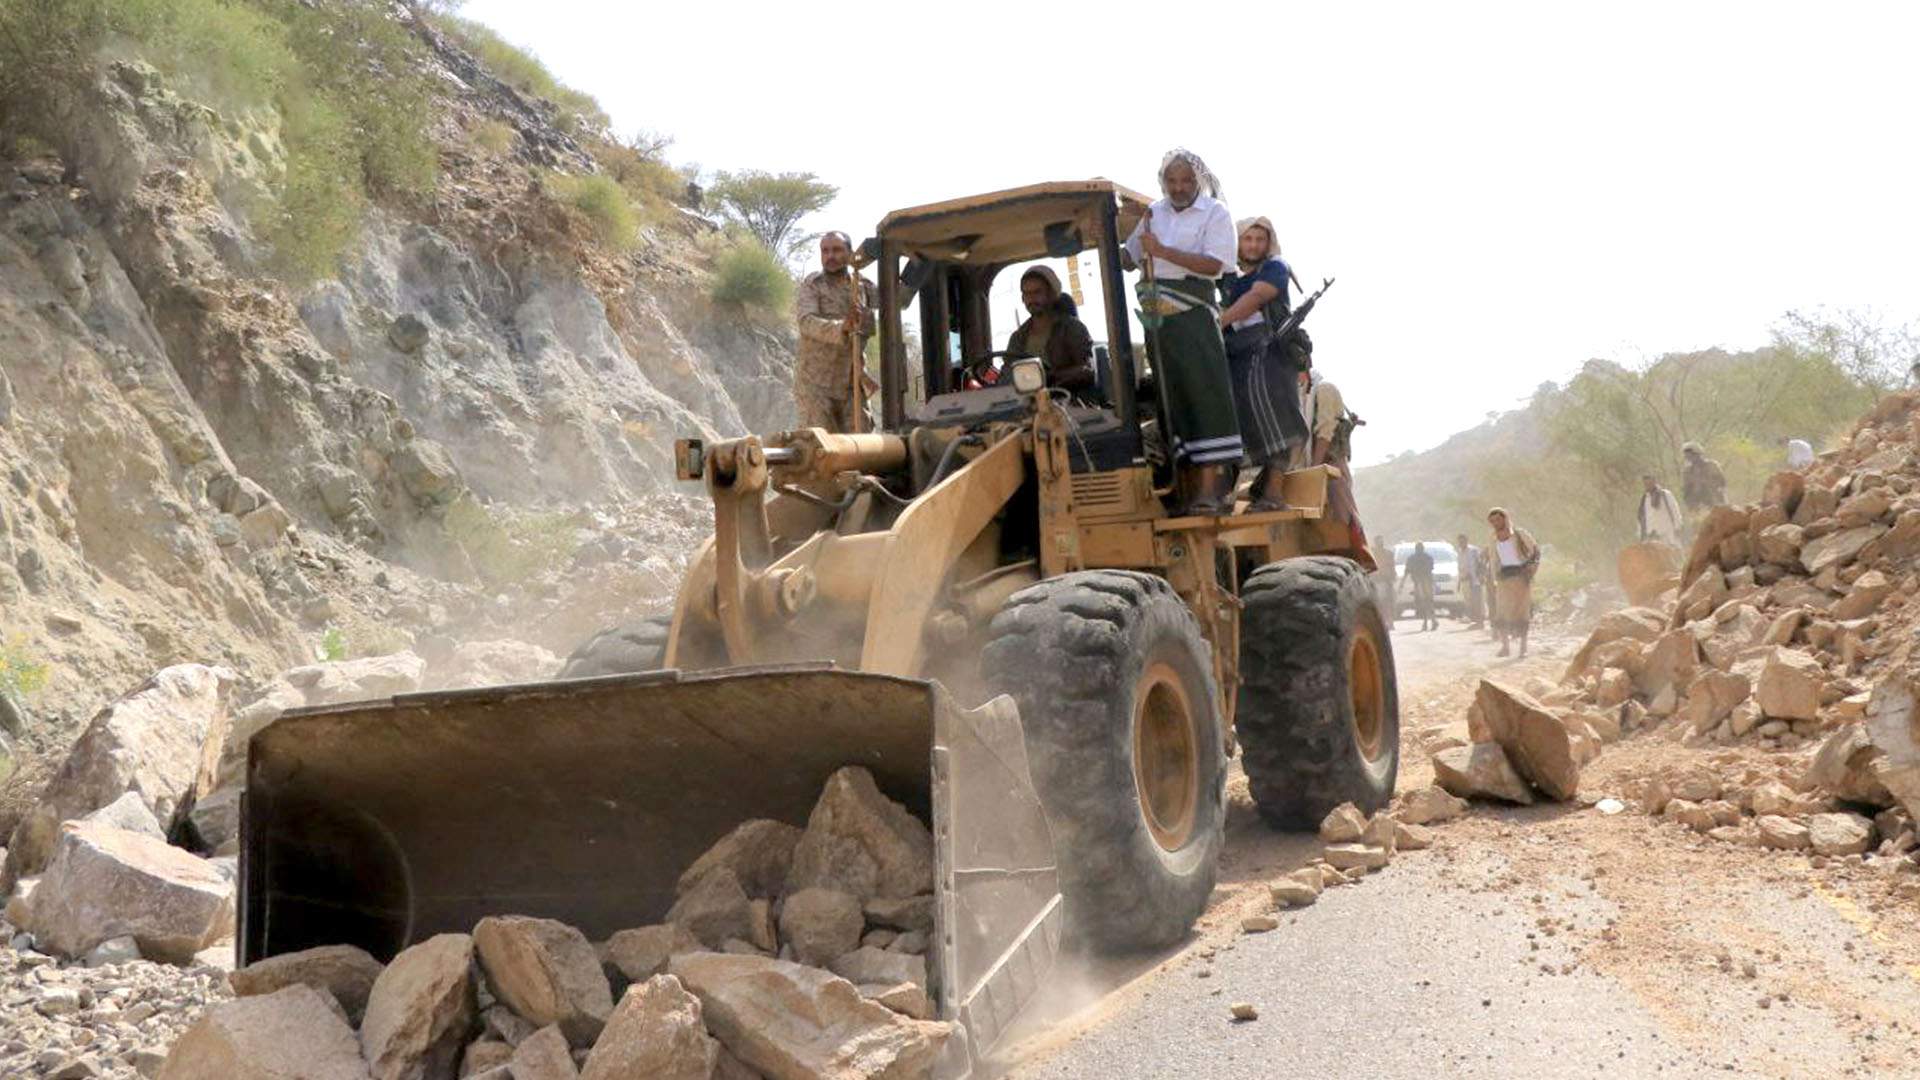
{"points": [[462, 433]]}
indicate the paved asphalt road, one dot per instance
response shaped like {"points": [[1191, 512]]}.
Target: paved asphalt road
{"points": [[1539, 942]]}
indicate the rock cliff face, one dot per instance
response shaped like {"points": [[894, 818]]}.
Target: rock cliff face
{"points": [[201, 462]]}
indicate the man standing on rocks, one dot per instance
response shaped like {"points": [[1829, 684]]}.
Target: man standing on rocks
{"points": [[1702, 484], [833, 334], [1515, 560]]}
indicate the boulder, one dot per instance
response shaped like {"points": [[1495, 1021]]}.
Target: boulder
{"points": [[1837, 549], [1642, 624], [105, 883], [907, 999], [346, 972], [1865, 508], [420, 1010], [1671, 662], [642, 953], [859, 841], [715, 909], [1343, 824], [362, 679], [1349, 857], [1615, 686], [820, 924], [1868, 592], [658, 1031], [482, 1055], [1537, 744], [495, 663], [1783, 627], [1783, 489], [1790, 685], [870, 965], [1893, 729], [1648, 569], [1780, 544], [798, 1023], [408, 332], [156, 742], [1782, 834], [1817, 502], [1845, 768], [1298, 889], [910, 914], [759, 852], [1839, 833], [265, 527], [545, 1055], [426, 473], [131, 813], [1720, 523], [1480, 771], [1695, 783], [547, 972], [292, 1032], [1411, 837], [1704, 594]]}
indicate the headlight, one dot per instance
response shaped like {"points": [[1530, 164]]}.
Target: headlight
{"points": [[1029, 376]]}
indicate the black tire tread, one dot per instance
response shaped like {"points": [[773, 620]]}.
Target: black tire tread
{"points": [[620, 650], [1065, 650], [1293, 716]]}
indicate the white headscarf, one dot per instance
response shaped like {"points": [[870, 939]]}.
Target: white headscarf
{"points": [[1209, 183]]}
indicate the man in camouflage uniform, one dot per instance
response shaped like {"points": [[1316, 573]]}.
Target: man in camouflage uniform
{"points": [[831, 330]]}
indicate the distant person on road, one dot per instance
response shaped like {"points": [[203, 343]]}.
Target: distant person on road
{"points": [[1264, 374], [1187, 237], [833, 330], [1420, 573], [1383, 583], [1516, 558], [1702, 484], [1659, 513], [1799, 453], [1473, 581], [1053, 332]]}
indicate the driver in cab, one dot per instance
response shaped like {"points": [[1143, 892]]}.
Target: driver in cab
{"points": [[1053, 333]]}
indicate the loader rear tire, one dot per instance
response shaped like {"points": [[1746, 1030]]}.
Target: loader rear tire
{"points": [[620, 650], [1116, 693], [1318, 715]]}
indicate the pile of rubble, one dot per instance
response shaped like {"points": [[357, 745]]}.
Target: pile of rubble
{"points": [[1790, 630], [789, 953]]}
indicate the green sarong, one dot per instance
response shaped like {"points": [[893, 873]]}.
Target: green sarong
{"points": [[1190, 363]]}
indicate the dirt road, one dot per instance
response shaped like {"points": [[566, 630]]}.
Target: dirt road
{"points": [[1550, 941]]}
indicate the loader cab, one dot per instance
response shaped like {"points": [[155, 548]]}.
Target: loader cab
{"points": [[950, 255]]}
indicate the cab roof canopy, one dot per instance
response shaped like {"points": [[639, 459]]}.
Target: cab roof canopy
{"points": [[1053, 219]]}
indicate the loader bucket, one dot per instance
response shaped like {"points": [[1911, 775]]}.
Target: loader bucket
{"points": [[382, 823]]}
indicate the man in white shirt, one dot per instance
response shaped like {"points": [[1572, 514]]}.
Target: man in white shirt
{"points": [[1799, 453], [1184, 242], [1659, 513]]}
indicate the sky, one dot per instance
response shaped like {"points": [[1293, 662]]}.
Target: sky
{"points": [[1503, 191]]}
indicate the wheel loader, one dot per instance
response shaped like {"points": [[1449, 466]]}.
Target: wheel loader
{"points": [[987, 602]]}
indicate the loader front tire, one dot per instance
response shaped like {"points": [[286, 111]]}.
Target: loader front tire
{"points": [[1318, 716], [621, 650], [1116, 693]]}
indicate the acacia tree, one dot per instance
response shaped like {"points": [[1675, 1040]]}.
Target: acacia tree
{"points": [[770, 205]]}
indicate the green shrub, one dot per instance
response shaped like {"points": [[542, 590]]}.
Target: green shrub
{"points": [[578, 112], [493, 136], [748, 275], [506, 548], [20, 673], [603, 201], [343, 77], [333, 644]]}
